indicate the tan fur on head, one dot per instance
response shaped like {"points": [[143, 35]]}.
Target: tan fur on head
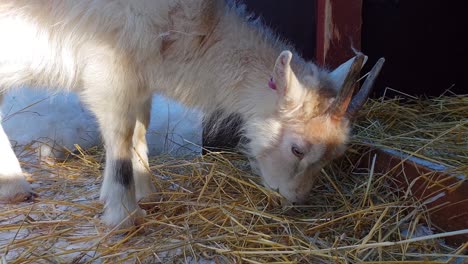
{"points": [[301, 136]]}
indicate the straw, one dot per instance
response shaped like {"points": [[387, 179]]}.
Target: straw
{"points": [[212, 209]]}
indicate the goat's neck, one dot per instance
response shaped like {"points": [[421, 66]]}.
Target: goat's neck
{"points": [[242, 61], [230, 73]]}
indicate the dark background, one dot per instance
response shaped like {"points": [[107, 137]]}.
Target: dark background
{"points": [[425, 42]]}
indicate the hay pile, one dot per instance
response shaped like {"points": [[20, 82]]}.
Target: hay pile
{"points": [[212, 209], [435, 129]]}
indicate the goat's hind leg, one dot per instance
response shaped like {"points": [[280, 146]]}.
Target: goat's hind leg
{"points": [[13, 185], [144, 186]]}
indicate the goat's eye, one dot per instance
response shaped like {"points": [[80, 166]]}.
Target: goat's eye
{"points": [[297, 151]]}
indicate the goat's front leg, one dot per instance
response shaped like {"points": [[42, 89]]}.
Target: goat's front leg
{"points": [[117, 118], [144, 186], [13, 186]]}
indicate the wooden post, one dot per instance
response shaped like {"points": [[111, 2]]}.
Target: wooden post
{"points": [[338, 31]]}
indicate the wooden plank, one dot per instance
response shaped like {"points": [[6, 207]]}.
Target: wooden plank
{"points": [[338, 31], [445, 195]]}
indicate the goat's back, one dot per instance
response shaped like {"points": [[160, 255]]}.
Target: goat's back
{"points": [[49, 42]]}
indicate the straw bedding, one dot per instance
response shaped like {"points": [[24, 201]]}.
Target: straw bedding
{"points": [[213, 210]]}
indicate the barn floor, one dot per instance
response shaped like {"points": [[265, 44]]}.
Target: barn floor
{"points": [[212, 210]]}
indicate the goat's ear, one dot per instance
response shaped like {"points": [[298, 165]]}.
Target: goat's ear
{"points": [[282, 73], [338, 75], [283, 78]]}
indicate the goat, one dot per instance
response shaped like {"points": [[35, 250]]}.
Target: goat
{"points": [[205, 54]]}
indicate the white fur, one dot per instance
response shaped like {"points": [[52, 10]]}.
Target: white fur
{"points": [[12, 181], [116, 54], [120, 203]]}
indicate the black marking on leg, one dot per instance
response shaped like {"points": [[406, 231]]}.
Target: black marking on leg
{"points": [[124, 172]]}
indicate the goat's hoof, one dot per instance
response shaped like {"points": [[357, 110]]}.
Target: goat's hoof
{"points": [[15, 189], [20, 198], [121, 219], [150, 202], [146, 192]]}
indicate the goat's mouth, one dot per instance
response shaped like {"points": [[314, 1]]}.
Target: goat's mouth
{"points": [[295, 207], [300, 202]]}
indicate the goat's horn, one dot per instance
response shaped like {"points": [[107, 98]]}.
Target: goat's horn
{"points": [[360, 98], [342, 100]]}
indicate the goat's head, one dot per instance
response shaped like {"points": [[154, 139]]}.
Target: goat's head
{"points": [[310, 125]]}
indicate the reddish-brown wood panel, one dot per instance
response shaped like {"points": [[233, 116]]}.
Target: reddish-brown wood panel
{"points": [[445, 195], [338, 30]]}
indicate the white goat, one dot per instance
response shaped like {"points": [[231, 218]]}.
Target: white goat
{"points": [[203, 53]]}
